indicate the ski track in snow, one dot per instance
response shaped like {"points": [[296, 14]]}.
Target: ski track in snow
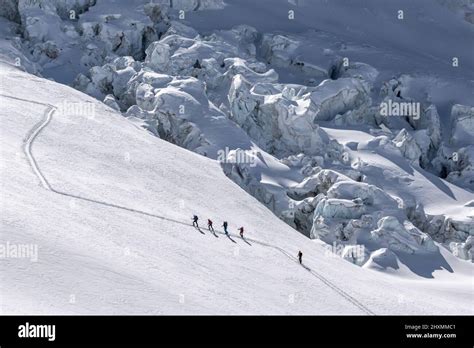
{"points": [[47, 117]]}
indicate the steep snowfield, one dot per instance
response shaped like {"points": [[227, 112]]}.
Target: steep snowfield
{"points": [[109, 206]]}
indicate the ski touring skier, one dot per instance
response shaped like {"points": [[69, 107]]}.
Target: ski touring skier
{"points": [[300, 256], [241, 231], [225, 227], [209, 225], [195, 221]]}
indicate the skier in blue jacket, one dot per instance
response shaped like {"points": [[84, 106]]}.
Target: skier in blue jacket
{"points": [[195, 221]]}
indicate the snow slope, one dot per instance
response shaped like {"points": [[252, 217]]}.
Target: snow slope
{"points": [[109, 207]]}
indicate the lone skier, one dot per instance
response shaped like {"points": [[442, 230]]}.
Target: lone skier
{"points": [[225, 227], [195, 221], [300, 256], [209, 225], [241, 231]]}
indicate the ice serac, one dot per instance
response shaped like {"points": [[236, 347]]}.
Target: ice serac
{"points": [[462, 118], [59, 32], [242, 172], [408, 146], [392, 234], [356, 213], [282, 51], [382, 259], [9, 10], [284, 118], [317, 183], [110, 101], [456, 165], [339, 96], [193, 5], [463, 250], [158, 56], [463, 168], [370, 195], [278, 49]]}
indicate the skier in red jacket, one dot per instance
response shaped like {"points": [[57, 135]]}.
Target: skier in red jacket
{"points": [[209, 225]]}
